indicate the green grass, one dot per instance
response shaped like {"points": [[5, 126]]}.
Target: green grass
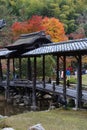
{"points": [[73, 80], [51, 120], [84, 79]]}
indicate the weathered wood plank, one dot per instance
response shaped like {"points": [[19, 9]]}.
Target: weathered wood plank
{"points": [[70, 92]]}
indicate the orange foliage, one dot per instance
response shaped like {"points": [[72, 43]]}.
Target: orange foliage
{"points": [[55, 29], [52, 26]]}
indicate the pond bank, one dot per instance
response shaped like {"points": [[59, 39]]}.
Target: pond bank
{"points": [[57, 119], [12, 108]]}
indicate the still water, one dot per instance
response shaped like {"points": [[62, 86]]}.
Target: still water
{"points": [[8, 109]]}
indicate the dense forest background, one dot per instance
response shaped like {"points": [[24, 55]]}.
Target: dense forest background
{"points": [[72, 13]]}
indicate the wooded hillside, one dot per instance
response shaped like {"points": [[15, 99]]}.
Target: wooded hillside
{"points": [[72, 13]]}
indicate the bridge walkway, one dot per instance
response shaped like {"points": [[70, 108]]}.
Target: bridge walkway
{"points": [[50, 88]]}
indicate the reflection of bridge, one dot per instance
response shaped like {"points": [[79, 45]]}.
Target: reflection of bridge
{"points": [[39, 44]]}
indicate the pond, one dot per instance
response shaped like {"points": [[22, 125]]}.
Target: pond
{"points": [[7, 109]]}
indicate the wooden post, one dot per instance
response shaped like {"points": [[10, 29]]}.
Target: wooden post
{"points": [[8, 75], [64, 78], [57, 71], [53, 86], [43, 80], [34, 87], [79, 83], [29, 69], [1, 75], [13, 69], [20, 72]]}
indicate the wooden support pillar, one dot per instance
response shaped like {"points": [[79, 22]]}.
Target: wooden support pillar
{"points": [[64, 78], [79, 83], [13, 68], [57, 71], [34, 87], [7, 80], [20, 71], [1, 75], [43, 80], [29, 69]]}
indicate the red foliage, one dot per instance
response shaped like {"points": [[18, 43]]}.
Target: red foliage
{"points": [[19, 28], [35, 24], [32, 25], [52, 26]]}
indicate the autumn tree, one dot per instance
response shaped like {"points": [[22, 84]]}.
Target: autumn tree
{"points": [[52, 27], [55, 29], [67, 11], [32, 25], [19, 28], [35, 24]]}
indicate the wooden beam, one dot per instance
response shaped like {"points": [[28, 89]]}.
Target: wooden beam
{"points": [[7, 80], [34, 86], [64, 77], [57, 71], [1, 74], [43, 71], [61, 57], [13, 68], [29, 69], [20, 71], [79, 83]]}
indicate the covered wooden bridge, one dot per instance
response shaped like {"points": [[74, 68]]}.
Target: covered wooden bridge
{"points": [[39, 44], [76, 48]]}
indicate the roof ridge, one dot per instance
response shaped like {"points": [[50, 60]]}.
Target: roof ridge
{"points": [[39, 33], [65, 42]]}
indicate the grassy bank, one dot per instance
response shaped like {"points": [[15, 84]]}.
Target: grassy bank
{"points": [[50, 120]]}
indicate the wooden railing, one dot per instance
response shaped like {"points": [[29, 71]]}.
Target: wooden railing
{"points": [[53, 88]]}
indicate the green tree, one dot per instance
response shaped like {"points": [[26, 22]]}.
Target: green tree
{"points": [[69, 12], [5, 33], [49, 65], [85, 28]]}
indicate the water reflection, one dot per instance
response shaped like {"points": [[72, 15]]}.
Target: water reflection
{"points": [[11, 108], [8, 109]]}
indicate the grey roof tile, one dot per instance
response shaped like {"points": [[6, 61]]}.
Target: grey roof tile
{"points": [[63, 47]]}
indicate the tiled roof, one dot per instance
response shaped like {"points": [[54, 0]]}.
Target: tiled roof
{"points": [[28, 40], [62, 47], [4, 53]]}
